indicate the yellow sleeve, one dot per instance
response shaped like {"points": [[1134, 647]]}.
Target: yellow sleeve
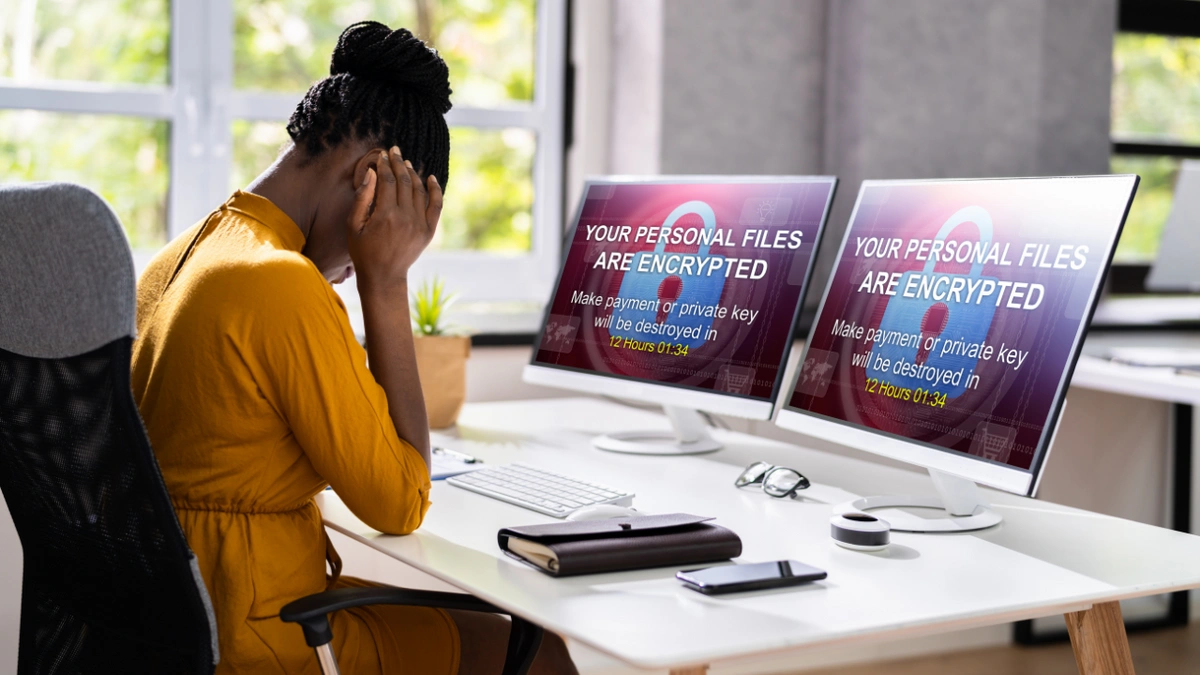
{"points": [[319, 381]]}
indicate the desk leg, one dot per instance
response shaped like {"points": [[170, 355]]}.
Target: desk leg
{"points": [[1099, 640], [693, 670]]}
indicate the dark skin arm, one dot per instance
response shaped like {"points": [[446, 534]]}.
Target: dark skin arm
{"points": [[384, 243]]}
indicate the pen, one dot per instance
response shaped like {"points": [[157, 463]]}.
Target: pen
{"points": [[461, 456]]}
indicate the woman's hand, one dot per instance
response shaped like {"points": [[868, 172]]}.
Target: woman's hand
{"points": [[386, 241]]}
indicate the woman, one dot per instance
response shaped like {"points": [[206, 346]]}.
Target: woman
{"points": [[256, 394]]}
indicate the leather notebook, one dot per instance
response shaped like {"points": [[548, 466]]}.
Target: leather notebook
{"points": [[590, 546]]}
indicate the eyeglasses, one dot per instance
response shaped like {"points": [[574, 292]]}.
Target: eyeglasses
{"points": [[776, 481]]}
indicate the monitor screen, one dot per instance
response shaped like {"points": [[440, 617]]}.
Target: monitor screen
{"points": [[1174, 267], [689, 282], [956, 311]]}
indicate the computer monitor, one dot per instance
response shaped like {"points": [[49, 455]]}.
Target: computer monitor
{"points": [[1175, 267], [949, 329], [682, 291]]}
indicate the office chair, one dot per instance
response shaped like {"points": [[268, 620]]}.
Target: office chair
{"points": [[110, 585]]}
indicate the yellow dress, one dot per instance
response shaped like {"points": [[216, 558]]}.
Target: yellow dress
{"points": [[256, 395]]}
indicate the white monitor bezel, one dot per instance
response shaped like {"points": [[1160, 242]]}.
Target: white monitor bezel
{"points": [[983, 471], [672, 394], [684, 397]]}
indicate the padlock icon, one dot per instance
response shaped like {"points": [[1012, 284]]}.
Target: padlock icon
{"points": [[682, 290], [965, 321]]}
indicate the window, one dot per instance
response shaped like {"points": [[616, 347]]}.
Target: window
{"points": [[81, 101], [166, 107], [123, 158], [1155, 113]]}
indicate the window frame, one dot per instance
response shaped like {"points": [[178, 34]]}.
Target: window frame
{"points": [[1173, 18], [201, 105]]}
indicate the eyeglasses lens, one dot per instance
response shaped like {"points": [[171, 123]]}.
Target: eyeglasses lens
{"points": [[782, 482], [753, 474]]}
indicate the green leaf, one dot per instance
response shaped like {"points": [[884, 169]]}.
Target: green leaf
{"points": [[429, 303]]}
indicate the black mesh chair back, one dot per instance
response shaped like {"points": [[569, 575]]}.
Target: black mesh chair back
{"points": [[109, 585]]}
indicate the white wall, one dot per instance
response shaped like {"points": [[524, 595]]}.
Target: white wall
{"points": [[636, 96], [494, 374]]}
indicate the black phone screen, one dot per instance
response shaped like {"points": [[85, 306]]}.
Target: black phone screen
{"points": [[783, 571]]}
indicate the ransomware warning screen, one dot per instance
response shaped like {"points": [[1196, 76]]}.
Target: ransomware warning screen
{"points": [[694, 284], [955, 309]]}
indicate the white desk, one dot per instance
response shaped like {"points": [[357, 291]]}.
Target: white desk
{"points": [[1159, 384], [1044, 559], [1148, 310]]}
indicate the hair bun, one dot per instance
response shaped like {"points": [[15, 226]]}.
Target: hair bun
{"points": [[396, 58]]}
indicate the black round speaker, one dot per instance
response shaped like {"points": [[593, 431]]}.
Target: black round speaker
{"points": [[860, 531]]}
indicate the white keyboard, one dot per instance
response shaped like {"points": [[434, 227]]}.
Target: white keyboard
{"points": [[542, 491]]}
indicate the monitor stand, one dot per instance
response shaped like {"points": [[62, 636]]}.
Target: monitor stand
{"points": [[689, 436], [959, 497]]}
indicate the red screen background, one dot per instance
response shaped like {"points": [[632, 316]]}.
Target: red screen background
{"points": [[757, 350]]}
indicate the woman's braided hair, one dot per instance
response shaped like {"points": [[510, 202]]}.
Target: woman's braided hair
{"points": [[385, 87]]}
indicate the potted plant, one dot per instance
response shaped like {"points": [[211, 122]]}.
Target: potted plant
{"points": [[441, 357]]}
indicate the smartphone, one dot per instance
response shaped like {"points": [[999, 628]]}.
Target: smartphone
{"points": [[752, 577]]}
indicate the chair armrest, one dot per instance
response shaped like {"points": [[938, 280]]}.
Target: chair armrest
{"points": [[311, 611]]}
